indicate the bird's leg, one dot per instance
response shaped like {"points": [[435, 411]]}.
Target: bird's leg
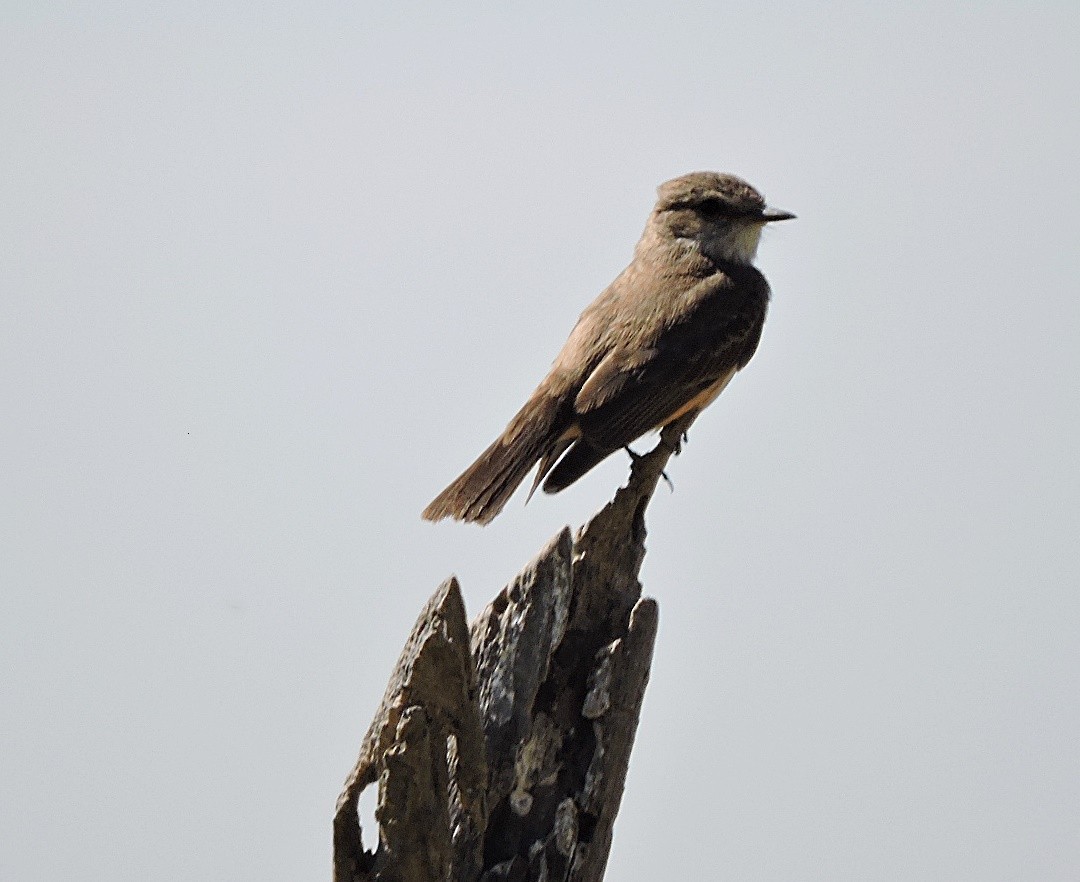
{"points": [[683, 438]]}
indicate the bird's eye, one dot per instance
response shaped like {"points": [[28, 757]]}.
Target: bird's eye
{"points": [[712, 206]]}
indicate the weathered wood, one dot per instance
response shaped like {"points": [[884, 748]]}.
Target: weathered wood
{"points": [[501, 751], [431, 698]]}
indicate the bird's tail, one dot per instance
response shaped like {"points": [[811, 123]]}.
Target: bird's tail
{"points": [[482, 490], [579, 459]]}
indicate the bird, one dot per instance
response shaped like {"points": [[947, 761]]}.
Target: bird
{"points": [[662, 341]]}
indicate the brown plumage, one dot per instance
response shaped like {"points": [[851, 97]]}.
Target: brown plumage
{"points": [[662, 340]]}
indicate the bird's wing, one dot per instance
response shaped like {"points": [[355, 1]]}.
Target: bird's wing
{"points": [[641, 387]]}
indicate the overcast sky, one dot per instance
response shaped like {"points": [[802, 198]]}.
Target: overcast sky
{"points": [[271, 276]]}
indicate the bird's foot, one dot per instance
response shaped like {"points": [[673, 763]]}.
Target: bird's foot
{"points": [[635, 456]]}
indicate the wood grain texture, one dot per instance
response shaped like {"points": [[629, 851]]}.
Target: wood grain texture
{"points": [[501, 750]]}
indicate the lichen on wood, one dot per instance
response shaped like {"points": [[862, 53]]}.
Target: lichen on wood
{"points": [[501, 750]]}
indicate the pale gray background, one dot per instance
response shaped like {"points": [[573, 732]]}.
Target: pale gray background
{"points": [[271, 276]]}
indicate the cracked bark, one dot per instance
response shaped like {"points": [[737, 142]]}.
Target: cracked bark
{"points": [[501, 750]]}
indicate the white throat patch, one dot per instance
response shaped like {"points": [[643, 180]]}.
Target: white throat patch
{"points": [[740, 244]]}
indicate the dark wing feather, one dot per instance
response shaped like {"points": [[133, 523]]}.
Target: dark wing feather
{"points": [[718, 332], [634, 390]]}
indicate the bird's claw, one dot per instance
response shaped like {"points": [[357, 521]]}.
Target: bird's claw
{"points": [[635, 456]]}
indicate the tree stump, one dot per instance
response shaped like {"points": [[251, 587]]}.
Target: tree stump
{"points": [[501, 750]]}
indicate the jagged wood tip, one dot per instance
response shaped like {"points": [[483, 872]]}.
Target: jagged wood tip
{"points": [[501, 750]]}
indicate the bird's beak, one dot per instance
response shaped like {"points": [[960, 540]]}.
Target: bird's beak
{"points": [[769, 214]]}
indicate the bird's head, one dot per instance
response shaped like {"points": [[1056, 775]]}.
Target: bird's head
{"points": [[720, 215]]}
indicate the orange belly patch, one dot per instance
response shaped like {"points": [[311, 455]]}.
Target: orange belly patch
{"points": [[702, 400]]}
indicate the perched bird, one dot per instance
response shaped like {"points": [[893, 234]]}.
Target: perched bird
{"points": [[662, 340]]}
